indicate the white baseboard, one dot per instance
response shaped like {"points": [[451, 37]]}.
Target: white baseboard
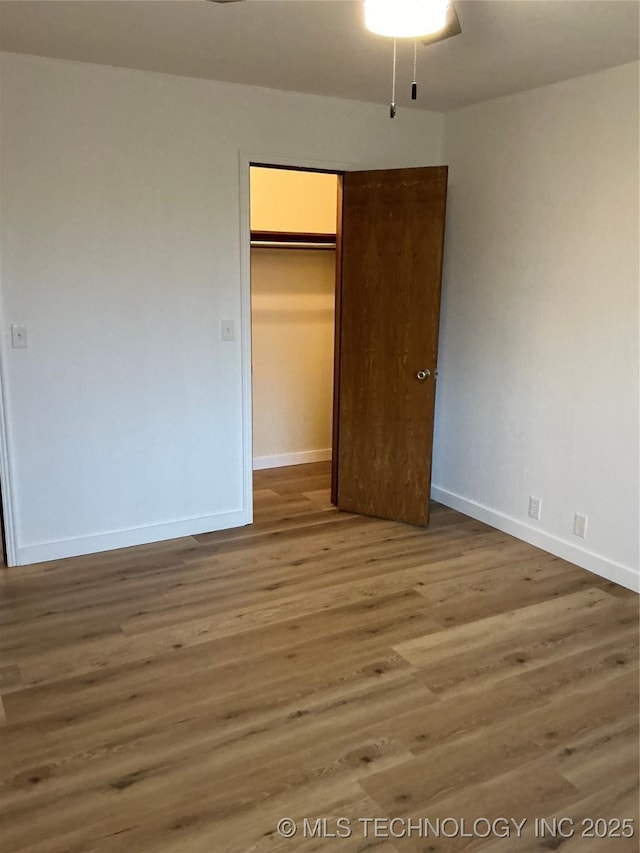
{"points": [[58, 550], [283, 459], [595, 563]]}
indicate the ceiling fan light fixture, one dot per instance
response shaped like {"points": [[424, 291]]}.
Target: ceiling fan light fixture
{"points": [[405, 18]]}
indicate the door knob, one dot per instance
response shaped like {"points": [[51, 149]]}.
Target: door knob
{"points": [[423, 374]]}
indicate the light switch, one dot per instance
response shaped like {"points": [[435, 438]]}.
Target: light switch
{"points": [[228, 330], [18, 336]]}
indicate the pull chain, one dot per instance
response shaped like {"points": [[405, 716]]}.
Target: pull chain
{"points": [[414, 85], [392, 107]]}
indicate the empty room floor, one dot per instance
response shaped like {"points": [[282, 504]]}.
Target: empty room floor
{"points": [[186, 696]]}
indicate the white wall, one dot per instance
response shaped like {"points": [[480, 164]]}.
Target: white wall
{"points": [[293, 298], [121, 253], [538, 385]]}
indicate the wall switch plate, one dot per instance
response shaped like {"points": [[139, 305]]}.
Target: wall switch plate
{"points": [[580, 525], [18, 336], [228, 330], [535, 506]]}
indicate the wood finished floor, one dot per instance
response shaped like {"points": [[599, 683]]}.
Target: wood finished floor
{"points": [[183, 697]]}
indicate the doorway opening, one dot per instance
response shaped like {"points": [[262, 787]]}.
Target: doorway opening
{"points": [[389, 249], [294, 222]]}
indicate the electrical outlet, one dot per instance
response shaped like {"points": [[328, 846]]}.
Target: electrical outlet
{"points": [[580, 525], [535, 507]]}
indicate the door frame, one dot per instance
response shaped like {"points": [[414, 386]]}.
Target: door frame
{"points": [[8, 519], [246, 160]]}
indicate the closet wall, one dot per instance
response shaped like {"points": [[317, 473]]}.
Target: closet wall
{"points": [[293, 293]]}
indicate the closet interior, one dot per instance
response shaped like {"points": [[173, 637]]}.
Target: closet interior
{"points": [[293, 279]]}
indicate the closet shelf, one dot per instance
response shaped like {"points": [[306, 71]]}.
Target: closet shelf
{"points": [[291, 240]]}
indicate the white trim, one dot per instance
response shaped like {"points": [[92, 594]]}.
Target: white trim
{"points": [[262, 158], [246, 339], [146, 535], [283, 459], [6, 467], [599, 565], [246, 158]]}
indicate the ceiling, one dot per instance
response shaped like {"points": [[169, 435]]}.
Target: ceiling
{"points": [[321, 46]]}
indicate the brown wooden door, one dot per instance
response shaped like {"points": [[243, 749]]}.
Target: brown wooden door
{"points": [[387, 321]]}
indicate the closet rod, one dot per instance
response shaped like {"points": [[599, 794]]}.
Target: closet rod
{"points": [[292, 240], [273, 244]]}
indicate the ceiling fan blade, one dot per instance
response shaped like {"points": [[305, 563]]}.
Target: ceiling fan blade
{"points": [[451, 28]]}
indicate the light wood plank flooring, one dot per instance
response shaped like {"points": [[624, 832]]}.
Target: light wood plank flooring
{"points": [[183, 697]]}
